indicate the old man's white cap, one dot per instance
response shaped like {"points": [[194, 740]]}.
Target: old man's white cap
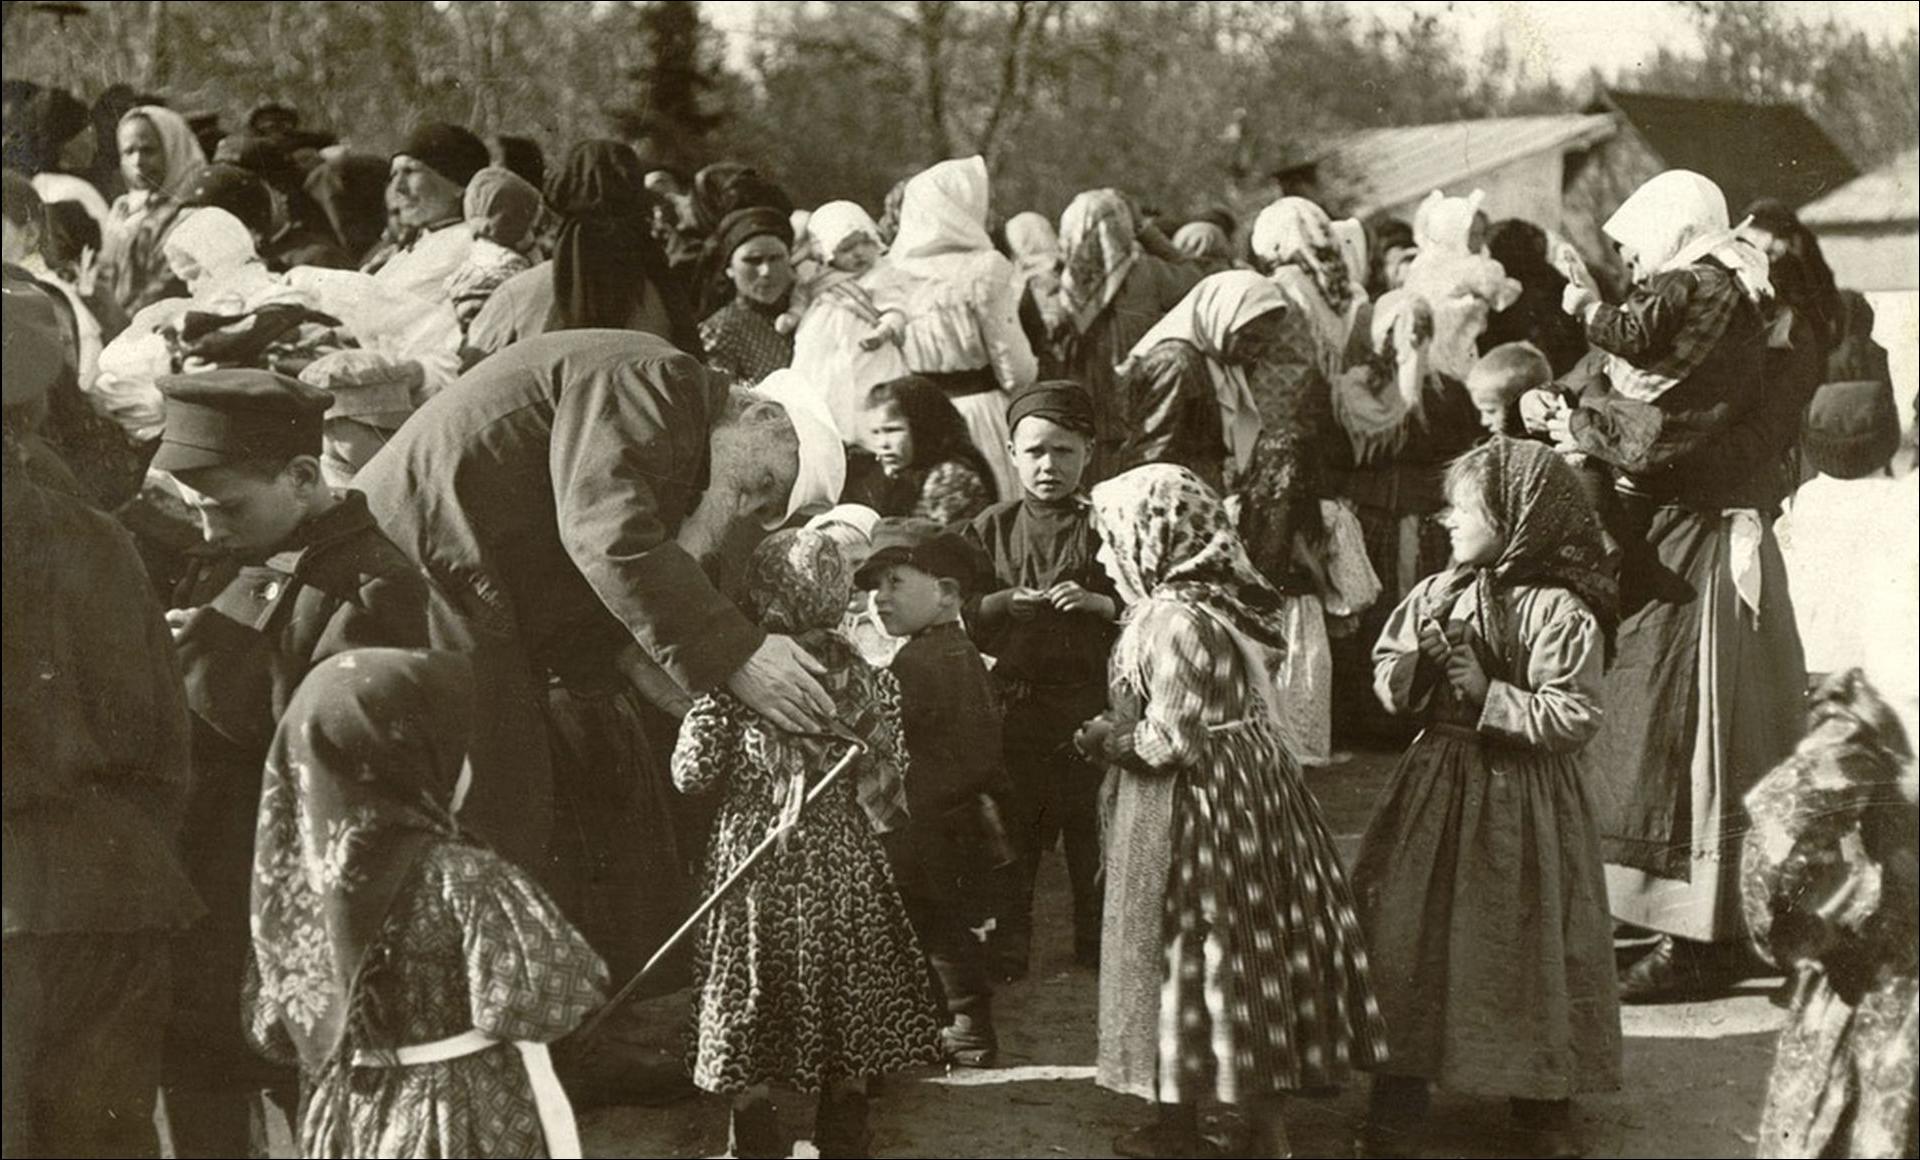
{"points": [[823, 458]]}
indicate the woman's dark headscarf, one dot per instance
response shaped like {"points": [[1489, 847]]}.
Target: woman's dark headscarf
{"points": [[351, 191], [1801, 279], [1521, 249], [605, 235]]}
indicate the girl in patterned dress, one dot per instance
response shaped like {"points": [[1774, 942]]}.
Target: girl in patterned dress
{"points": [[1231, 961], [415, 977], [808, 976], [1480, 878]]}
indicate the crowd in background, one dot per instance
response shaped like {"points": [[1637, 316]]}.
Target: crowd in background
{"points": [[483, 497]]}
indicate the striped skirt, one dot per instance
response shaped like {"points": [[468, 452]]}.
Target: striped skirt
{"points": [[1265, 986]]}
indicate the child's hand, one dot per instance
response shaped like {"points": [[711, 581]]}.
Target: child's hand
{"points": [[1091, 740], [1433, 642], [1026, 603], [1537, 409], [1576, 298], [1068, 596], [1465, 674]]}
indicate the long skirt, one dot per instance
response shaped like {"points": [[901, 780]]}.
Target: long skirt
{"points": [[1232, 962], [1704, 696], [986, 418], [1480, 884]]}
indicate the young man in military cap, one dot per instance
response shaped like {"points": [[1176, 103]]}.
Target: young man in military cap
{"points": [[295, 572]]}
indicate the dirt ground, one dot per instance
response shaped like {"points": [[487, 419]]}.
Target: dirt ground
{"points": [[1694, 1071]]}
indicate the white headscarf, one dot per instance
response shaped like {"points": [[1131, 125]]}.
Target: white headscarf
{"points": [[1098, 249], [1680, 217], [835, 222], [1207, 317], [944, 211], [230, 275], [179, 150]]}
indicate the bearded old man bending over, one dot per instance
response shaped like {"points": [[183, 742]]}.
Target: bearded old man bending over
{"points": [[575, 497]]}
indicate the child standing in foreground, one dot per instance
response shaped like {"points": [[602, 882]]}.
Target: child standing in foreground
{"points": [[919, 576], [1480, 878], [1049, 626], [808, 976], [415, 977], [1231, 962]]}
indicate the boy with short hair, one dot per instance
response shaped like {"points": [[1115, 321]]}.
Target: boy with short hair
{"points": [[920, 576], [1049, 624], [294, 572], [1499, 378]]}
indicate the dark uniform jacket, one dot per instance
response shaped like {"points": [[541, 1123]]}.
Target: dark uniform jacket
{"points": [[541, 493]]}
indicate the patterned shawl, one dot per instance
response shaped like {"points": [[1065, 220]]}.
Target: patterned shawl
{"points": [[1207, 318], [365, 774], [1168, 536], [1099, 249]]}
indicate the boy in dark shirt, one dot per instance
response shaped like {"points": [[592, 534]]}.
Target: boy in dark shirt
{"points": [[293, 572], [1049, 625], [919, 576]]}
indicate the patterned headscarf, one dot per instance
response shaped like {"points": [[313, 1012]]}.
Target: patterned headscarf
{"points": [[797, 582], [1099, 249], [1168, 537], [1295, 232], [1551, 533], [365, 774]]}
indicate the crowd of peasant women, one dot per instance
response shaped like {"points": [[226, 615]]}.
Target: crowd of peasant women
{"points": [[446, 568]]}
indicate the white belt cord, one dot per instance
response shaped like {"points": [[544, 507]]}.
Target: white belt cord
{"points": [[556, 1111]]}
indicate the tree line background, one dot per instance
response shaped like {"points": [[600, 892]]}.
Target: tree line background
{"points": [[1187, 104]]}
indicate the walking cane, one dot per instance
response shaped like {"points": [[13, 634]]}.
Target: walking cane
{"points": [[855, 750]]}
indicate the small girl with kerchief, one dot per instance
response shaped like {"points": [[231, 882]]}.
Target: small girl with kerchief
{"points": [[1480, 878], [808, 976], [501, 209]]}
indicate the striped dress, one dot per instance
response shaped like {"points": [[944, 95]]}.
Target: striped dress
{"points": [[1232, 963]]}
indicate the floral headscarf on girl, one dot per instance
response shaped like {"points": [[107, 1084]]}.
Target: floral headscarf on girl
{"points": [[1551, 534], [1098, 246], [1168, 537], [798, 583], [366, 773]]}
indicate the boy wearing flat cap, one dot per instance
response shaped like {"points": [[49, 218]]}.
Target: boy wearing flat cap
{"points": [[1048, 620], [919, 576], [294, 572]]}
